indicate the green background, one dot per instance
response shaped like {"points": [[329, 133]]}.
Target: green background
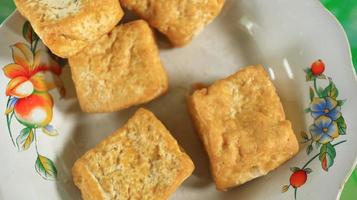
{"points": [[344, 10]]}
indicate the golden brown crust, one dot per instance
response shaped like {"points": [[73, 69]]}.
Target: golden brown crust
{"points": [[242, 124], [141, 160], [179, 20], [89, 185], [120, 70], [67, 34]]}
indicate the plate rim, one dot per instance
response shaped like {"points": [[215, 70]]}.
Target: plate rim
{"points": [[333, 17], [346, 45]]}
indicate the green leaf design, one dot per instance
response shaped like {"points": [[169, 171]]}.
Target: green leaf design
{"points": [[309, 75], [326, 161], [341, 123], [341, 102], [46, 168], [330, 91], [25, 139], [322, 76], [294, 169], [307, 110], [322, 151], [49, 130], [10, 105], [285, 188], [28, 33], [308, 170], [331, 150], [8, 122], [309, 149], [317, 145], [312, 94], [320, 89], [327, 156]]}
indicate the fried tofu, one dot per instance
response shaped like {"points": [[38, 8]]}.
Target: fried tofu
{"points": [[141, 160], [179, 20], [242, 124], [121, 69], [67, 26]]}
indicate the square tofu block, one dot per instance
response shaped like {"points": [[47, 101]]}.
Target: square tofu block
{"points": [[242, 124], [121, 69], [67, 26], [141, 160], [179, 20]]}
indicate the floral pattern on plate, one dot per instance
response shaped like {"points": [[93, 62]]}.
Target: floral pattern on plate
{"points": [[328, 125], [33, 73]]}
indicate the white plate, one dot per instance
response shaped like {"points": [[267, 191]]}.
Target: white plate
{"points": [[284, 36]]}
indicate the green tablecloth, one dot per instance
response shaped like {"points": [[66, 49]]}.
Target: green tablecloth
{"points": [[6, 7], [344, 10], [346, 13]]}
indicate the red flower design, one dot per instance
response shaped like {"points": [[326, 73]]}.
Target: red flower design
{"points": [[318, 67]]}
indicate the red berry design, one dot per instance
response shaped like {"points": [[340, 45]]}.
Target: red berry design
{"points": [[298, 178], [318, 67]]}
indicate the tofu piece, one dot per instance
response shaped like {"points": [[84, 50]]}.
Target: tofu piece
{"points": [[67, 26], [121, 69], [179, 20], [242, 124], [141, 160]]}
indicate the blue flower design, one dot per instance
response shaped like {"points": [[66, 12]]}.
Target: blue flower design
{"points": [[324, 130], [326, 106]]}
